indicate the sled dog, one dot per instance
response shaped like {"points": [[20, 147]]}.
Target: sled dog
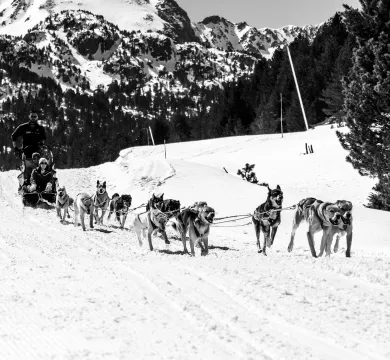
{"points": [[345, 225], [100, 201], [169, 207], [325, 216], [150, 221], [266, 218], [83, 204], [197, 220], [180, 221], [63, 201], [120, 205], [155, 202]]}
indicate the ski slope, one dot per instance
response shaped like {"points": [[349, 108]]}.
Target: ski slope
{"points": [[69, 294]]}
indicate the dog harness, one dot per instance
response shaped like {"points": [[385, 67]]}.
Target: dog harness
{"points": [[66, 200], [319, 206], [196, 228], [260, 215], [98, 204]]}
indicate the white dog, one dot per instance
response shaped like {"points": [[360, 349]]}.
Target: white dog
{"points": [[83, 204], [151, 221]]}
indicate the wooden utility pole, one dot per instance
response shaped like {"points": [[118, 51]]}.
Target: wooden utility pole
{"points": [[296, 84], [151, 134]]}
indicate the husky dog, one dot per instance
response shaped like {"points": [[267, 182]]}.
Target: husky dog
{"points": [[169, 207], [150, 221], [319, 215], [345, 225], [196, 220], [63, 201], [83, 205], [265, 217], [155, 202], [120, 205], [100, 201]]}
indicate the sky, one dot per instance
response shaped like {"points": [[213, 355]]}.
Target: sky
{"points": [[266, 13]]}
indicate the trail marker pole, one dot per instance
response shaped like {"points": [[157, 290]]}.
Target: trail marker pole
{"points": [[296, 83], [151, 134]]}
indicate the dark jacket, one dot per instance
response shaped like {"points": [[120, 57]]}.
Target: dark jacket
{"points": [[31, 136], [42, 179]]}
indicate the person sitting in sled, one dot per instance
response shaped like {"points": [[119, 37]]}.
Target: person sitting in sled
{"points": [[42, 178]]}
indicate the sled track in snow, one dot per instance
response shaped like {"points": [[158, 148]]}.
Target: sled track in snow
{"points": [[71, 294]]}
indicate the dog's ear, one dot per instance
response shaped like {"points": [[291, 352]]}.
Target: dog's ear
{"points": [[97, 184], [278, 187], [104, 184]]}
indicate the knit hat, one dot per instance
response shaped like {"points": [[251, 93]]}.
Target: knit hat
{"points": [[41, 160], [36, 155]]}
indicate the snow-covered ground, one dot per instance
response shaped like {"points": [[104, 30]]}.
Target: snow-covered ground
{"points": [[69, 294]]}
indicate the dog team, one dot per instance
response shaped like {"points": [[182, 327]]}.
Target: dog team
{"points": [[333, 219]]}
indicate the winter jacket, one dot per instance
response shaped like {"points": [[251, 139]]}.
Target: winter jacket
{"points": [[31, 136], [42, 179]]}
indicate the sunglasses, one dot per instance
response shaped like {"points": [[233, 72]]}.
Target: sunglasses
{"points": [[34, 117], [43, 163]]}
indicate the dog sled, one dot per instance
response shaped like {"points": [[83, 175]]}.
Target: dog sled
{"points": [[36, 198]]}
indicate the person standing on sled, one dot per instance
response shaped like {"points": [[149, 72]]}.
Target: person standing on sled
{"points": [[33, 135], [43, 180]]}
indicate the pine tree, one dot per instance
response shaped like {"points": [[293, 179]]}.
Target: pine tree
{"points": [[248, 174], [367, 101], [334, 99]]}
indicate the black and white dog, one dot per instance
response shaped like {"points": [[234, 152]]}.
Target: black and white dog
{"points": [[265, 217], [121, 206]]}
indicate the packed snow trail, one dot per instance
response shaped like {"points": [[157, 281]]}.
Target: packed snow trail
{"points": [[69, 294]]}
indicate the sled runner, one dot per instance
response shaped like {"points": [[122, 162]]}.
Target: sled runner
{"points": [[35, 198]]}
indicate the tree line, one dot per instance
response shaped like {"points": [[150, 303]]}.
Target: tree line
{"points": [[89, 128]]}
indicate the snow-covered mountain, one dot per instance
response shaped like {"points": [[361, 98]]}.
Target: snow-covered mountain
{"points": [[221, 33], [17, 16], [80, 49], [149, 45]]}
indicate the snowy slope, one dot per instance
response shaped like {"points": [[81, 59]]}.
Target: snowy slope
{"points": [[97, 295]]}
